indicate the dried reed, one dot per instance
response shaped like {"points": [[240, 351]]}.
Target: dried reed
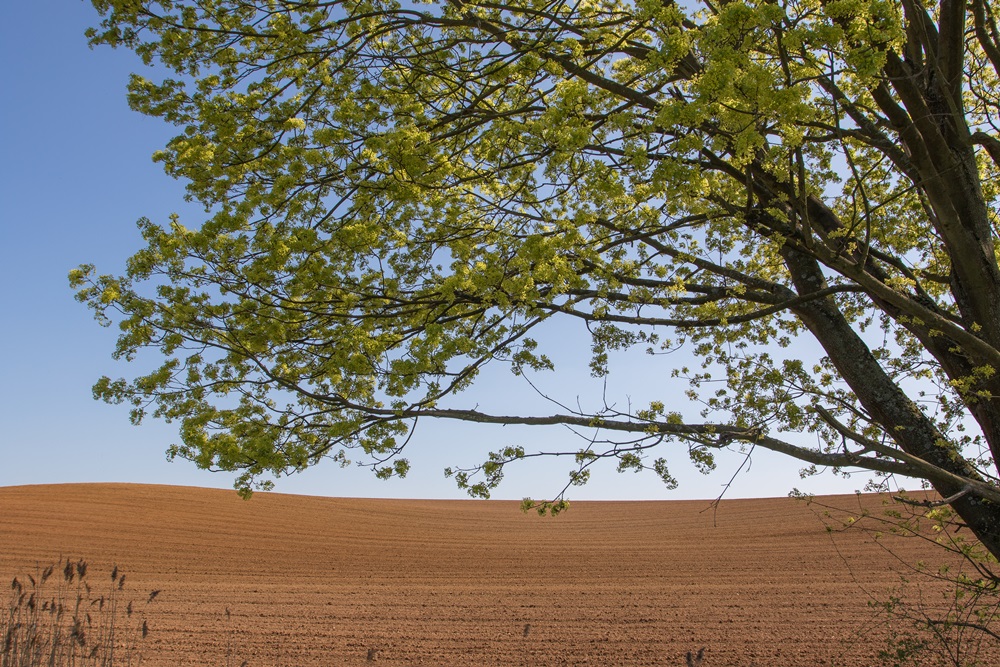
{"points": [[62, 621]]}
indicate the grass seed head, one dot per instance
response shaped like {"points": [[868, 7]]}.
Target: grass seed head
{"points": [[78, 634]]}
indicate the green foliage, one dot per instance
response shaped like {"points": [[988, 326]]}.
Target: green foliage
{"points": [[802, 195], [942, 613], [545, 507]]}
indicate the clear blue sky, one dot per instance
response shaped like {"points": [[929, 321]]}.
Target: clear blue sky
{"points": [[75, 174]]}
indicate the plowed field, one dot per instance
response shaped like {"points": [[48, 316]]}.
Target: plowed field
{"points": [[328, 582]]}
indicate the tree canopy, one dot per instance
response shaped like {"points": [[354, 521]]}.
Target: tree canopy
{"points": [[399, 193]]}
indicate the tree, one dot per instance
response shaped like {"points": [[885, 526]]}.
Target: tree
{"points": [[400, 193]]}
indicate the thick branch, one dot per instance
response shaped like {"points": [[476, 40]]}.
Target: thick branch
{"points": [[717, 435], [696, 322], [925, 469]]}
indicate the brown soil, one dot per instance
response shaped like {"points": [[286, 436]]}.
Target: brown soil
{"points": [[329, 582]]}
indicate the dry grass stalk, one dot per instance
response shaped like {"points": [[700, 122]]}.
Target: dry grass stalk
{"points": [[53, 621]]}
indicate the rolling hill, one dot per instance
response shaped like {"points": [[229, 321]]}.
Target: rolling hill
{"points": [[311, 581]]}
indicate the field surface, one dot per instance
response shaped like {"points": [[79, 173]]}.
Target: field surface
{"points": [[329, 582]]}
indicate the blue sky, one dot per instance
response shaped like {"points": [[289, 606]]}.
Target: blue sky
{"points": [[75, 174]]}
